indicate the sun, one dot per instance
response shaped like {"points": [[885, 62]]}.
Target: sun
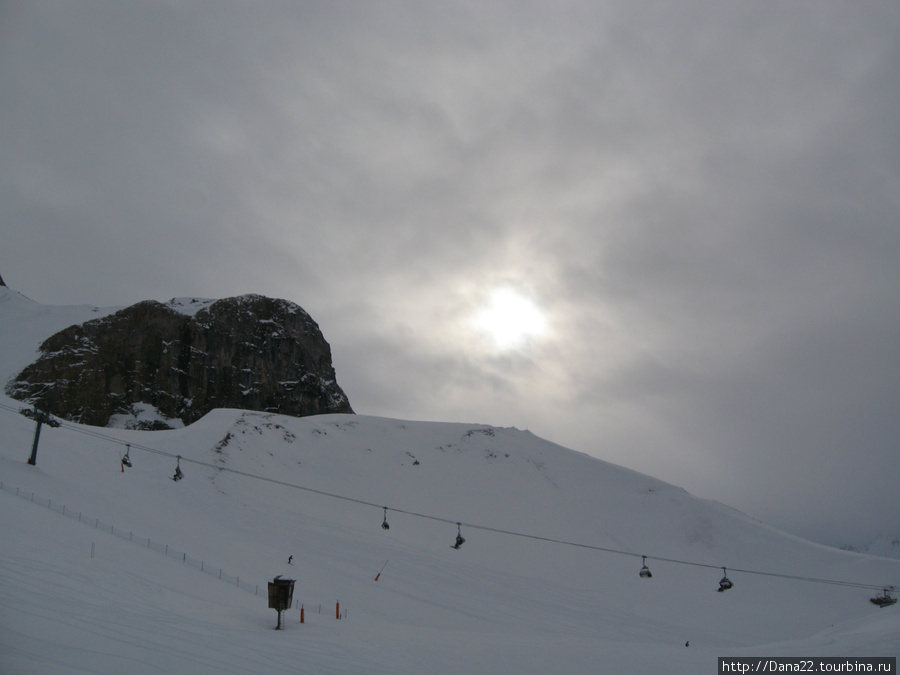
{"points": [[510, 319]]}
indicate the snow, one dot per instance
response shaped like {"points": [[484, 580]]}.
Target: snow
{"points": [[885, 543], [189, 306], [143, 415], [92, 589], [26, 324]]}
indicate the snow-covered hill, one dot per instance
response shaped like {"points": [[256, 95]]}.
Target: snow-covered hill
{"points": [[886, 544], [105, 571]]}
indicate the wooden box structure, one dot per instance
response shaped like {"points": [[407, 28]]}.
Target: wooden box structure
{"points": [[281, 595]]}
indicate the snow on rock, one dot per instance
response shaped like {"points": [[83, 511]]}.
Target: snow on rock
{"points": [[231, 352], [189, 306], [143, 416]]}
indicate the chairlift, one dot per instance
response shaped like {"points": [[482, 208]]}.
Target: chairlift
{"points": [[645, 571], [885, 599], [459, 538], [126, 460], [384, 524], [178, 474], [725, 582]]}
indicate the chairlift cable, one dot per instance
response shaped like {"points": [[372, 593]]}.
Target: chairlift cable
{"points": [[459, 524]]}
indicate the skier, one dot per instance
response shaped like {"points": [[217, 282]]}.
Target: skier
{"points": [[290, 559]]}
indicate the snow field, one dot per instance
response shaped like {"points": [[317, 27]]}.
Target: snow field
{"points": [[502, 603]]}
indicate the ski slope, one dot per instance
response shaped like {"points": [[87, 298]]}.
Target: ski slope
{"points": [[110, 571]]}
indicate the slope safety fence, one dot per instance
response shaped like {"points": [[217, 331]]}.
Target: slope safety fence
{"points": [[145, 542]]}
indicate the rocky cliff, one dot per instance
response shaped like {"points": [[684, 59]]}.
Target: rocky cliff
{"points": [[183, 359]]}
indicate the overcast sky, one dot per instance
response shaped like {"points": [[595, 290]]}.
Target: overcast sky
{"points": [[700, 199]]}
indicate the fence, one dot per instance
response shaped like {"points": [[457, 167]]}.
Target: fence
{"points": [[146, 542]]}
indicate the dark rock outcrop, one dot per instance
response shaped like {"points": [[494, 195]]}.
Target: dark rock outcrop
{"points": [[248, 352]]}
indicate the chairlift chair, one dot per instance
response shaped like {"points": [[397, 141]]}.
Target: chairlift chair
{"points": [[384, 524], [178, 474], [725, 582], [645, 571], [126, 460], [459, 538], [885, 599]]}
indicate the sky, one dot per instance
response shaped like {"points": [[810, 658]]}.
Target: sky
{"points": [[663, 234]]}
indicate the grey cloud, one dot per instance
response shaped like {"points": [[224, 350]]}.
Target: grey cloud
{"points": [[701, 197]]}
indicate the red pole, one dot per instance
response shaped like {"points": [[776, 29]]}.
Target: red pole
{"points": [[337, 611], [301, 614]]}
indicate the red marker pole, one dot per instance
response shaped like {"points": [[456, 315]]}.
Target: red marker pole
{"points": [[302, 617], [337, 611], [381, 570]]}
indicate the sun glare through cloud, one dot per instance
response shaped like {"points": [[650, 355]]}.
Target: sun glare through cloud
{"points": [[510, 319], [652, 248]]}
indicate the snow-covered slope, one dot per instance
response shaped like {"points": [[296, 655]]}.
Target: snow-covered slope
{"points": [[886, 544], [134, 572]]}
